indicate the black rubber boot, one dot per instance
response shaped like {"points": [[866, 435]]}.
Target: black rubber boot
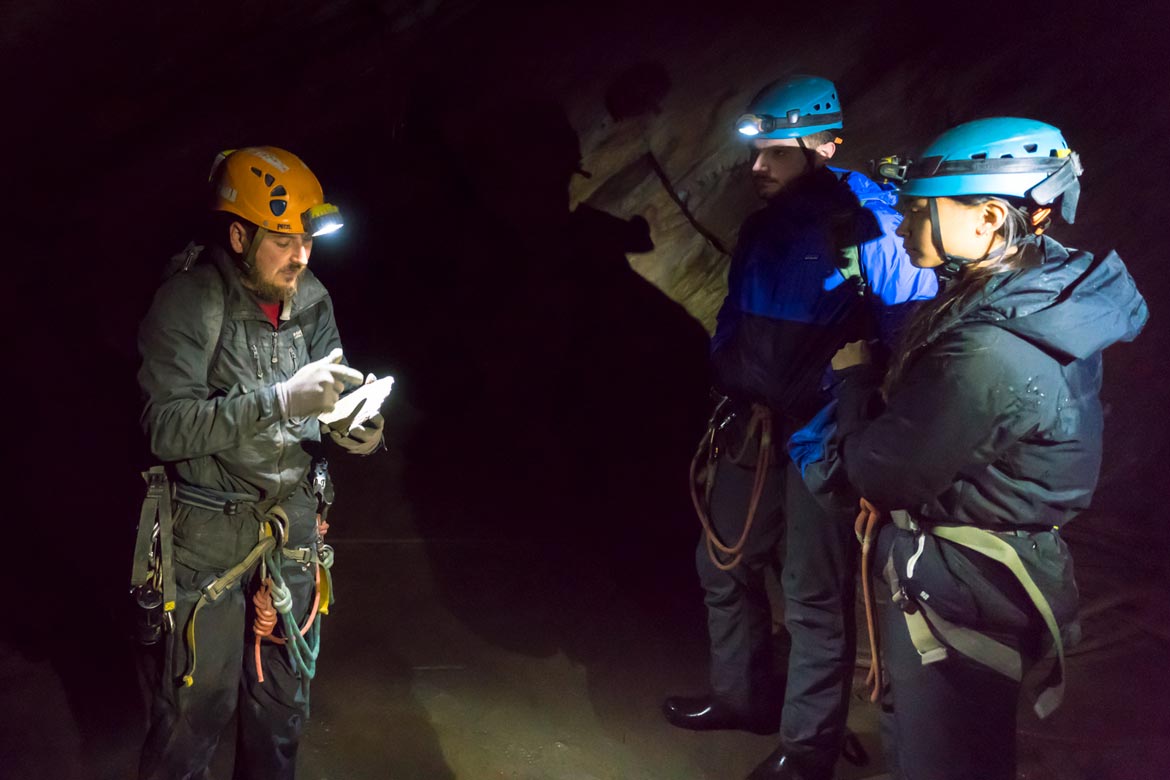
{"points": [[782, 765], [706, 713]]}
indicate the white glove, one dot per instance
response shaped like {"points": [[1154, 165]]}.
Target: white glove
{"points": [[316, 387], [364, 439]]}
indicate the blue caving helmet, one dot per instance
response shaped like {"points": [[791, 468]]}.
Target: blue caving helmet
{"points": [[792, 107], [1014, 158]]}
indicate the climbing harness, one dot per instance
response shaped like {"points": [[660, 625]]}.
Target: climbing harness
{"points": [[934, 636], [273, 599], [703, 472], [152, 579]]}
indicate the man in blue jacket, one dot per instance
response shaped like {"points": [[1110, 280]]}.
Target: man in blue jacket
{"points": [[818, 266]]}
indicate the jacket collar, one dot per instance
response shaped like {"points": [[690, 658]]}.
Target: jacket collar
{"points": [[240, 303]]}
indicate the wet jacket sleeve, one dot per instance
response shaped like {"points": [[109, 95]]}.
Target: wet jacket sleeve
{"points": [[176, 342], [958, 406]]}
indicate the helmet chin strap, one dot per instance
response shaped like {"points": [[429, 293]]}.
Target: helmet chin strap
{"points": [[952, 264], [250, 254], [810, 162]]}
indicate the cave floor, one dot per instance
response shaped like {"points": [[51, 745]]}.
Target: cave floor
{"points": [[457, 658]]}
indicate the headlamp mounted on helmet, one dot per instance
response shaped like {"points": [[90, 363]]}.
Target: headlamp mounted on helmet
{"points": [[322, 219], [1062, 179], [752, 125]]}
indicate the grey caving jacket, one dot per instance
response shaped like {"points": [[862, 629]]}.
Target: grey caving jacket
{"points": [[210, 361], [996, 423]]}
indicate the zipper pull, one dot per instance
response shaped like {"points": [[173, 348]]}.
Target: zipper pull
{"points": [[256, 357], [275, 359]]}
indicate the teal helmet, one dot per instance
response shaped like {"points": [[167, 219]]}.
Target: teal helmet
{"points": [[792, 107], [1006, 156]]}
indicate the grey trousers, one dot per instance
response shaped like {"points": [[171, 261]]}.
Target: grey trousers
{"points": [[818, 574]]}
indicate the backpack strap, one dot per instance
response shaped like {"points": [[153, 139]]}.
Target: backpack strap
{"points": [[185, 261]]}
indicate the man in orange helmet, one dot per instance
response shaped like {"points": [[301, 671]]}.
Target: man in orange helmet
{"points": [[240, 354]]}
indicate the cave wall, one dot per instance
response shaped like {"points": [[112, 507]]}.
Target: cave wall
{"points": [[117, 110]]}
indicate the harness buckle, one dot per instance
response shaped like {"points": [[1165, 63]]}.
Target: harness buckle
{"points": [[156, 482], [903, 601], [209, 591]]}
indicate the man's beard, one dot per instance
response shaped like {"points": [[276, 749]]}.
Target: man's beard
{"points": [[266, 290]]}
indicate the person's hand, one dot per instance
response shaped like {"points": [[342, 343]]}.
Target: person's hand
{"points": [[364, 439], [316, 387], [855, 353]]}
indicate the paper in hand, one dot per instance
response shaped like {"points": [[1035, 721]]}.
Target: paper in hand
{"points": [[355, 407]]}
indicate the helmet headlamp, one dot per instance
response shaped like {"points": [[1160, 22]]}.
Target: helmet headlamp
{"points": [[322, 219], [752, 125]]}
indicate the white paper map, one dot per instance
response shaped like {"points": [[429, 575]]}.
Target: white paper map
{"points": [[355, 407]]}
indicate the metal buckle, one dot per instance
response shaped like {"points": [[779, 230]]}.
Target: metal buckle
{"points": [[903, 601], [208, 592]]}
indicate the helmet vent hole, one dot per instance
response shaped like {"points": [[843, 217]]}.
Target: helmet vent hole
{"points": [[258, 172], [1005, 156], [828, 105], [269, 179], [278, 206], [817, 107], [979, 156], [1030, 148], [279, 192]]}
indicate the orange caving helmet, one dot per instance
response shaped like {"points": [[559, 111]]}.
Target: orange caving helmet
{"points": [[273, 189]]}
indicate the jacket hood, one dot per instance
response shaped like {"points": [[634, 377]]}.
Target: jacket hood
{"points": [[866, 189], [821, 193], [1071, 305], [309, 293]]}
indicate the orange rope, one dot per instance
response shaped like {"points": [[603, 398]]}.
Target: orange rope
{"points": [[762, 420], [865, 526], [265, 620], [266, 617]]}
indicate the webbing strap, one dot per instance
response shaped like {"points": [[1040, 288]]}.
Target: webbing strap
{"points": [[156, 481], [166, 543], [931, 634], [156, 504], [987, 543], [216, 588], [930, 650], [230, 577], [976, 646], [925, 623]]}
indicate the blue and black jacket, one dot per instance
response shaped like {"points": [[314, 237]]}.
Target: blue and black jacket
{"points": [[817, 267]]}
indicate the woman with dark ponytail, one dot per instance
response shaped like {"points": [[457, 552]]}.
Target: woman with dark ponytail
{"points": [[982, 441]]}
